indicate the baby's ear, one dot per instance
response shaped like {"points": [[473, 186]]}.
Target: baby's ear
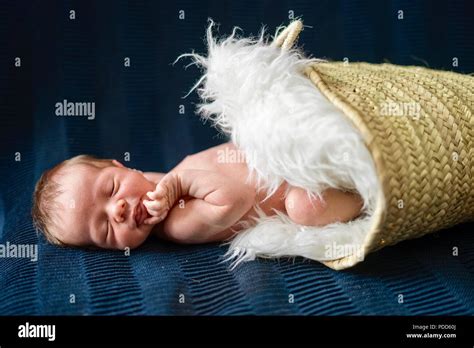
{"points": [[118, 164]]}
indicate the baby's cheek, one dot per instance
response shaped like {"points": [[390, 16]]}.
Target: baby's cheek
{"points": [[127, 238]]}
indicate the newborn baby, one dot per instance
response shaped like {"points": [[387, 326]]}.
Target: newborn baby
{"points": [[86, 201]]}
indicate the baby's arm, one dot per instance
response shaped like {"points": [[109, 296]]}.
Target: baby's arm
{"points": [[154, 176], [216, 203]]}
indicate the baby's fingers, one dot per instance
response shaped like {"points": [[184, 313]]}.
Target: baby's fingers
{"points": [[158, 193], [152, 195], [154, 207]]}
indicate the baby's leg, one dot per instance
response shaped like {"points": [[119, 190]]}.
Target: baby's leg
{"points": [[338, 206]]}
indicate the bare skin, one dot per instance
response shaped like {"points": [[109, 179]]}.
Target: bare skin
{"points": [[204, 198]]}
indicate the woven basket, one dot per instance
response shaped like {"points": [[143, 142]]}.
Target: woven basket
{"points": [[418, 125]]}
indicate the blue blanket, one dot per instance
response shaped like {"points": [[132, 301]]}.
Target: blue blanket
{"points": [[140, 112]]}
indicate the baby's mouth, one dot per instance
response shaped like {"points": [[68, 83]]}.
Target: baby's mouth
{"points": [[140, 213]]}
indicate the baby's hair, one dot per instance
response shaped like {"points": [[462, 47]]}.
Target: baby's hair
{"points": [[47, 189]]}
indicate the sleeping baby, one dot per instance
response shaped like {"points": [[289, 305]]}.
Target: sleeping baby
{"points": [[91, 202]]}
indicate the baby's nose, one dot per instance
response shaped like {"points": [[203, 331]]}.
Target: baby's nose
{"points": [[120, 208]]}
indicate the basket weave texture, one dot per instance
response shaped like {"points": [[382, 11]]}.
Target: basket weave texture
{"points": [[418, 125]]}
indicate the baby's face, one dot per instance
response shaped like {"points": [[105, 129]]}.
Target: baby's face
{"points": [[103, 206]]}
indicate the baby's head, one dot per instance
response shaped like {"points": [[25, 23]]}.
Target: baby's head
{"points": [[86, 201]]}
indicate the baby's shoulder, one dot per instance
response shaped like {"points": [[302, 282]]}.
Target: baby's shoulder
{"points": [[221, 159], [201, 160]]}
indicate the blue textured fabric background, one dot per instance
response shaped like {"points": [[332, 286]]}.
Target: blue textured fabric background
{"points": [[137, 112]]}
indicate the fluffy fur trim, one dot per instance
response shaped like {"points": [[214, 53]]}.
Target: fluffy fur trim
{"points": [[277, 236], [257, 94]]}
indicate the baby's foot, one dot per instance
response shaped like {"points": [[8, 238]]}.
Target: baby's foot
{"points": [[164, 197]]}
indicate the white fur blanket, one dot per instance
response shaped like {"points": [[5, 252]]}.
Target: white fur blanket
{"points": [[257, 94]]}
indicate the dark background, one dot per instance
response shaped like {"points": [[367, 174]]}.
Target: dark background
{"points": [[137, 111], [137, 107]]}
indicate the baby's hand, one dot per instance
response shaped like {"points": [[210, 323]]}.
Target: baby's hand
{"points": [[166, 193]]}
